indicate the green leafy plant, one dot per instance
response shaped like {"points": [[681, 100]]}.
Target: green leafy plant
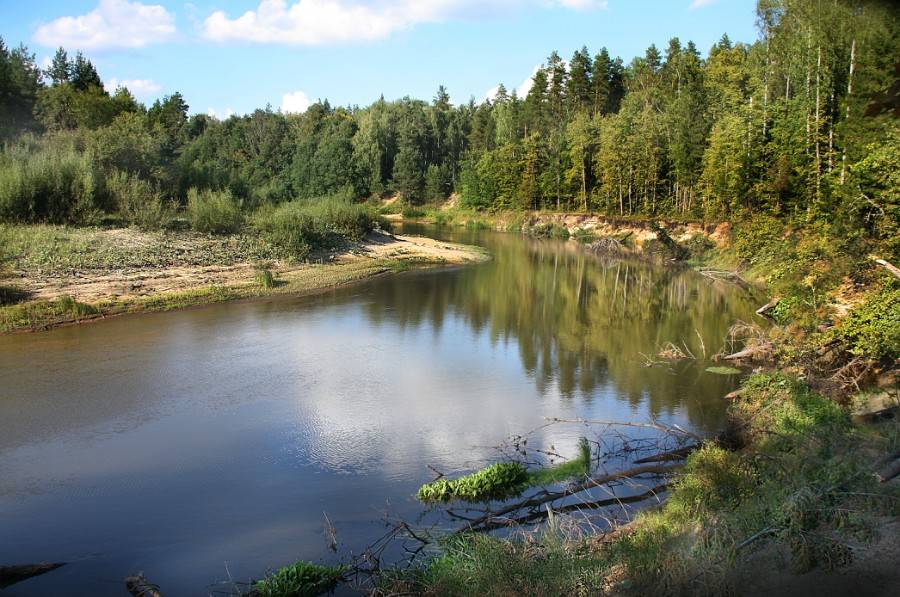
{"points": [[301, 579], [497, 481]]}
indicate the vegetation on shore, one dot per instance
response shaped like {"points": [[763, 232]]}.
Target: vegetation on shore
{"points": [[503, 480]]}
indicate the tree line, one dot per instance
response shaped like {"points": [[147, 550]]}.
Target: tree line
{"points": [[795, 124]]}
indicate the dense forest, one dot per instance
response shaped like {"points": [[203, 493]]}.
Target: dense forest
{"points": [[798, 124]]}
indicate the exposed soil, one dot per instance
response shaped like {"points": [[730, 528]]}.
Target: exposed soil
{"points": [[128, 280]]}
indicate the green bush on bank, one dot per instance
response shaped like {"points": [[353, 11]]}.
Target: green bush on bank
{"points": [[138, 201], [50, 181], [298, 227], [213, 212], [872, 328]]}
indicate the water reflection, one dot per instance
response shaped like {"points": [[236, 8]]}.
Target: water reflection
{"points": [[173, 443]]}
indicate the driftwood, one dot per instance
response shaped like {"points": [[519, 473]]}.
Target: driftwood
{"points": [[750, 352], [139, 586], [728, 276], [10, 575], [764, 310], [889, 267], [671, 455], [488, 521], [537, 515]]}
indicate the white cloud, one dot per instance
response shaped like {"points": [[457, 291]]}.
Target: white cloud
{"points": [[140, 88], [523, 88], [695, 4], [223, 115], [320, 22], [113, 24], [294, 103]]}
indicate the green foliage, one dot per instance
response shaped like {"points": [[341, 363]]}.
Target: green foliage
{"points": [[213, 212], [549, 230], [138, 202], [699, 246], [872, 328], [298, 227], [584, 236], [411, 212], [577, 467], [264, 278], [497, 481], [301, 579], [49, 181]]}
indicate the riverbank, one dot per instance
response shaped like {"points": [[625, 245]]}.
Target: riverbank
{"points": [[60, 276]]}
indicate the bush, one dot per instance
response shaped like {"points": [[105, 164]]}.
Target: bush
{"points": [[584, 236], [301, 579], [551, 230], [411, 212], [872, 328], [298, 227], [265, 278], [138, 201], [698, 246], [213, 212], [50, 181]]}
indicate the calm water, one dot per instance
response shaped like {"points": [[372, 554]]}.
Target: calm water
{"points": [[177, 443]]}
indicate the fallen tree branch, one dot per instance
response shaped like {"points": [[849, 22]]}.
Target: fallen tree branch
{"points": [[674, 429], [537, 515], [10, 575], [889, 267], [671, 455], [547, 497]]}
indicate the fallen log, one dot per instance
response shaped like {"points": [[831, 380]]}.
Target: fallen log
{"points": [[547, 497], [671, 455], [139, 586], [537, 515], [750, 353], [10, 575], [889, 267], [764, 310]]}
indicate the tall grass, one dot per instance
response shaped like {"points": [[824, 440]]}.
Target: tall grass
{"points": [[138, 201], [213, 212], [299, 227], [50, 181]]}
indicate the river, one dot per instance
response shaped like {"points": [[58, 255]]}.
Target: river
{"points": [[208, 442]]}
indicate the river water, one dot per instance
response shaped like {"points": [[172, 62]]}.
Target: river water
{"points": [[207, 443]]}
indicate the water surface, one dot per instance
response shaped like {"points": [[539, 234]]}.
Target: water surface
{"points": [[181, 443]]}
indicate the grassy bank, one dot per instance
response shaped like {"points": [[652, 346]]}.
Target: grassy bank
{"points": [[801, 492]]}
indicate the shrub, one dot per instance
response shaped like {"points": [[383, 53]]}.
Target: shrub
{"points": [[138, 201], [301, 579], [698, 246], [584, 236], [551, 230], [872, 328], [213, 212], [298, 227], [412, 212], [264, 278], [50, 181]]}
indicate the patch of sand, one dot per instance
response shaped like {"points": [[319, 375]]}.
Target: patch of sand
{"points": [[97, 286]]}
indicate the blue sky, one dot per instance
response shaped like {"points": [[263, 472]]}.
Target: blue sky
{"points": [[238, 55]]}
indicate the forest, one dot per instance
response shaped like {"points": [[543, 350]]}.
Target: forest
{"points": [[800, 124]]}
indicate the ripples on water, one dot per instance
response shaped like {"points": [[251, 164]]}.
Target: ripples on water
{"points": [[175, 443]]}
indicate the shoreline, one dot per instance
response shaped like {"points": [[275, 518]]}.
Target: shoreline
{"points": [[82, 297]]}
